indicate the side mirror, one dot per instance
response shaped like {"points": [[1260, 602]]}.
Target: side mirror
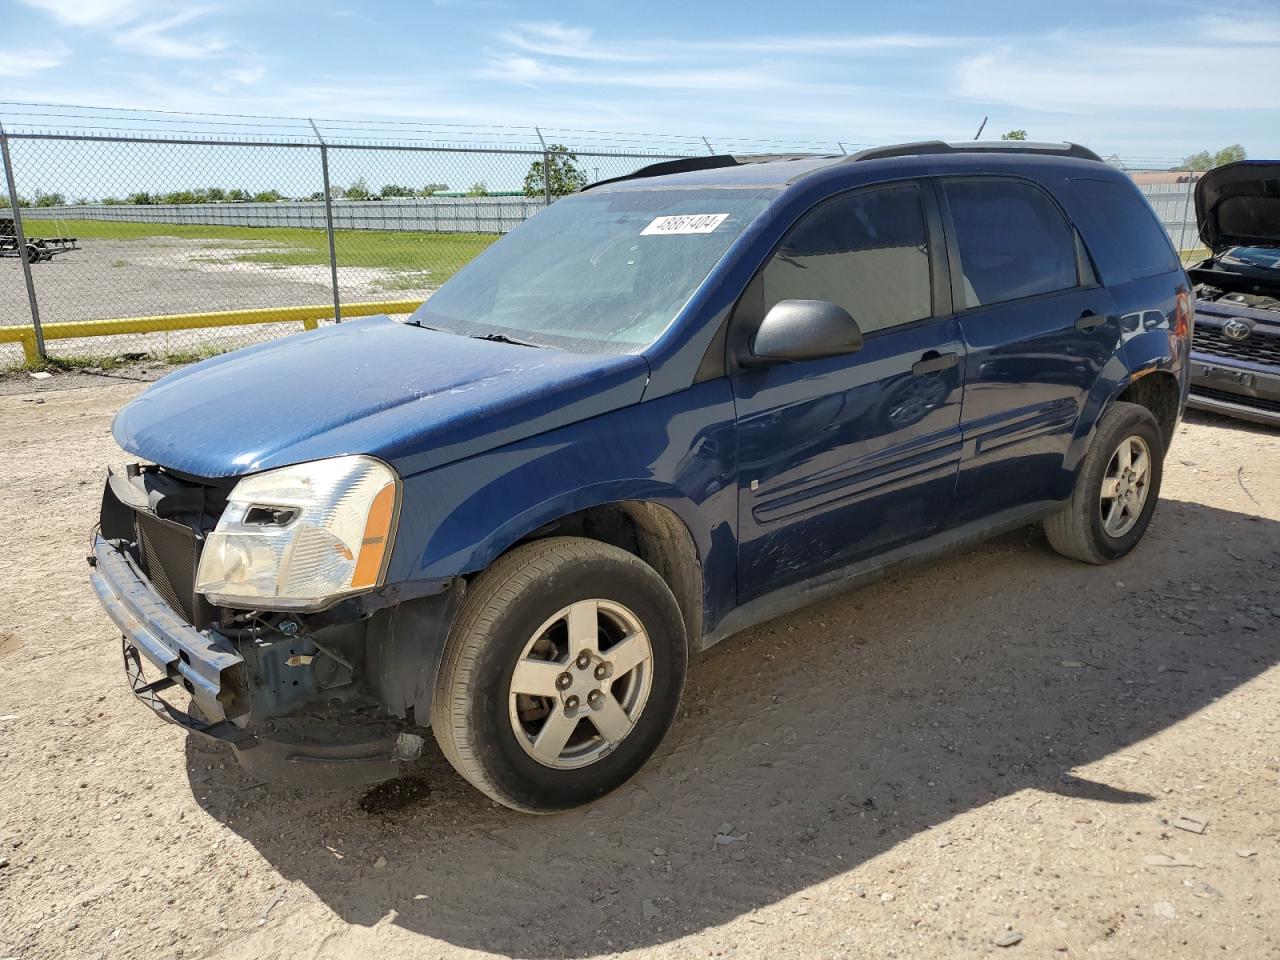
{"points": [[805, 330]]}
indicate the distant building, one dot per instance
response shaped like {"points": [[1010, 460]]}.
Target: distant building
{"points": [[1145, 177]]}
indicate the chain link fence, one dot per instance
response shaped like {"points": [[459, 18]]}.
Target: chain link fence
{"points": [[182, 246], [152, 233]]}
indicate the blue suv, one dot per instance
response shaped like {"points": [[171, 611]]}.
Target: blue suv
{"points": [[665, 409]]}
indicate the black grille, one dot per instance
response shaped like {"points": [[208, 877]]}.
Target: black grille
{"points": [[1259, 347], [170, 555], [1259, 403]]}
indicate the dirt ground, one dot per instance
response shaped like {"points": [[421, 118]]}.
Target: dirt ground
{"points": [[999, 745]]}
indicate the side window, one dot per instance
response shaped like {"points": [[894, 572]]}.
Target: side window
{"points": [[1127, 237], [1013, 241], [867, 251]]}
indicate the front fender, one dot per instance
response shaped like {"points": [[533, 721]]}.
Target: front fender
{"points": [[678, 451]]}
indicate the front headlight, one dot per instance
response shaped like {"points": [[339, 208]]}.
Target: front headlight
{"points": [[303, 536]]}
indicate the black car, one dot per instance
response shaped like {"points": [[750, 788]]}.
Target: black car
{"points": [[1235, 355]]}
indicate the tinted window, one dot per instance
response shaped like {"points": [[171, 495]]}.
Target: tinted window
{"points": [[1013, 241], [867, 251], [1127, 238]]}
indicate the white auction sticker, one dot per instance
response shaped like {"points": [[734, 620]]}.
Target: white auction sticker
{"points": [[684, 223]]}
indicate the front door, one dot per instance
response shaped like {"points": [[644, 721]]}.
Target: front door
{"points": [[847, 456]]}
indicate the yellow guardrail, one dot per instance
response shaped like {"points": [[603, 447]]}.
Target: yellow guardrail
{"points": [[307, 316]]}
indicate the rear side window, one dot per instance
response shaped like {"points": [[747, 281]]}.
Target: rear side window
{"points": [[1014, 242], [866, 251], [1127, 239]]}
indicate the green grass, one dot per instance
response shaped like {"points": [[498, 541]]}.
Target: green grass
{"points": [[66, 364], [438, 255], [98, 364]]}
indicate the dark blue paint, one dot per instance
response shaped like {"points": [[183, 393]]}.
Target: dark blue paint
{"points": [[495, 441], [848, 456]]}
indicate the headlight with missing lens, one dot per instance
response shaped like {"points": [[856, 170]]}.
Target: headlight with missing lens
{"points": [[302, 537]]}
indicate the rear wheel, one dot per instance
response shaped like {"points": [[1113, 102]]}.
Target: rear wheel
{"points": [[561, 675], [1116, 489]]}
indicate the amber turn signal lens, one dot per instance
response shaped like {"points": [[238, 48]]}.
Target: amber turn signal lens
{"points": [[377, 534]]}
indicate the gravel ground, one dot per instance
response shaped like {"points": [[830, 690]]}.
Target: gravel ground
{"points": [[171, 275], [994, 748]]}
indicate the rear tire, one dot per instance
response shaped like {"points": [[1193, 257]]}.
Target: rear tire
{"points": [[1116, 489], [561, 674]]}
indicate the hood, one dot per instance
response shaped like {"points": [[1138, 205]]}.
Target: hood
{"points": [[1238, 205], [415, 398]]}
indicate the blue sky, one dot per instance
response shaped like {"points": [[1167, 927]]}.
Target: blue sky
{"points": [[1142, 79]]}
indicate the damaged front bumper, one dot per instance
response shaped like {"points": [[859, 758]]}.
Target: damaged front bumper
{"points": [[325, 744]]}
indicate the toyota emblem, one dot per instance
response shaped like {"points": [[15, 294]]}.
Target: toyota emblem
{"points": [[1237, 329]]}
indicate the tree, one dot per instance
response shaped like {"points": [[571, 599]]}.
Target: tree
{"points": [[359, 190], [142, 198], [1230, 154], [50, 199], [267, 196], [563, 173], [1014, 135], [431, 189], [390, 190], [4, 201], [480, 189], [1204, 160]]}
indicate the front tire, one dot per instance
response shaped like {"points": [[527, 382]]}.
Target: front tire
{"points": [[561, 675], [1116, 489]]}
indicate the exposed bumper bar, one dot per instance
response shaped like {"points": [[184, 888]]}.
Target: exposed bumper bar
{"points": [[204, 663], [335, 752]]}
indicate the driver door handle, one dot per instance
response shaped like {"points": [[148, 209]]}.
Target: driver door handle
{"points": [[934, 362]]}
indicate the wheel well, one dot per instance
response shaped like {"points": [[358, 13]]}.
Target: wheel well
{"points": [[654, 534], [1158, 392]]}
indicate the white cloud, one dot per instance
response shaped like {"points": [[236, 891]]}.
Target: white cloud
{"points": [[18, 63], [578, 43], [157, 38], [146, 27], [1084, 74], [247, 75], [88, 13]]}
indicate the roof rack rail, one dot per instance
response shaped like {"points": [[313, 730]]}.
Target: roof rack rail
{"points": [[688, 164], [977, 146]]}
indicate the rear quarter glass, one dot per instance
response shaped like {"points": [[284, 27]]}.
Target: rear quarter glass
{"points": [[1121, 231]]}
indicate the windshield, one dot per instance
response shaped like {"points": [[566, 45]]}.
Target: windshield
{"points": [[597, 272], [1267, 257]]}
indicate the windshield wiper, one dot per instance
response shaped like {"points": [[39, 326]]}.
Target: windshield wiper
{"points": [[503, 338]]}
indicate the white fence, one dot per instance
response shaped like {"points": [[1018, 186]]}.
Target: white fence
{"points": [[1174, 204], [426, 215]]}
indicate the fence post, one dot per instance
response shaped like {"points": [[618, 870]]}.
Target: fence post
{"points": [[21, 238], [546, 168], [710, 150], [1186, 210], [328, 222]]}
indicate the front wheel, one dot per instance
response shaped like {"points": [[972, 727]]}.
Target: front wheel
{"points": [[561, 675], [1116, 489]]}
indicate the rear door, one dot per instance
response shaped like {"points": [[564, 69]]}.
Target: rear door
{"points": [[846, 456], [1037, 329]]}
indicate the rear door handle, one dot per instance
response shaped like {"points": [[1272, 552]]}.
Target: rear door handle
{"points": [[934, 362], [1090, 321]]}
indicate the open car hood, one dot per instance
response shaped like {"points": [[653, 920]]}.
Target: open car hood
{"points": [[1238, 204]]}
